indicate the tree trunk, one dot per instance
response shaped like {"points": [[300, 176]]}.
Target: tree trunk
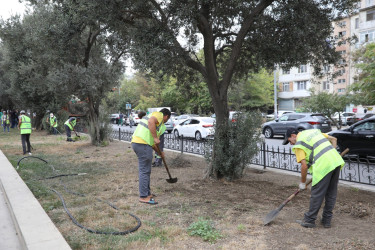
{"points": [[94, 122]]}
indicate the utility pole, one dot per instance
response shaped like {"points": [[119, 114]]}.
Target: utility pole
{"points": [[275, 93]]}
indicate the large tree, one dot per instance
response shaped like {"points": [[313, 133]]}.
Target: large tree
{"points": [[236, 37]]}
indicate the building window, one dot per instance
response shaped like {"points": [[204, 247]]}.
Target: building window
{"points": [[341, 72], [285, 71], [357, 23], [285, 86], [342, 33], [370, 15], [302, 69], [341, 90], [342, 61], [367, 36], [342, 24], [341, 81], [325, 85], [369, 3], [342, 52], [326, 68], [301, 85]]}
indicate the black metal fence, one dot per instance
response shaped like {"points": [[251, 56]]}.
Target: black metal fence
{"points": [[359, 170]]}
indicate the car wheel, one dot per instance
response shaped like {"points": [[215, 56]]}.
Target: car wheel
{"points": [[176, 135], [268, 133], [198, 136]]}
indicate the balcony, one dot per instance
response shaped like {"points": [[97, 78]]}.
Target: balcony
{"points": [[293, 94]]}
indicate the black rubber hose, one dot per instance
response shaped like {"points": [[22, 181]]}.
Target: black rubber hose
{"points": [[29, 156], [139, 223], [95, 231]]}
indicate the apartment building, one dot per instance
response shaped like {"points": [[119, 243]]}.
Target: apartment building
{"points": [[335, 79]]}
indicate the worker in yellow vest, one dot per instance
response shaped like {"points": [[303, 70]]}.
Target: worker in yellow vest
{"points": [[5, 120], [69, 126], [52, 121], [146, 137], [317, 153], [24, 124]]}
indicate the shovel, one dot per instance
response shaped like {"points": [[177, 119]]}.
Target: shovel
{"points": [[77, 134], [272, 215], [170, 180]]}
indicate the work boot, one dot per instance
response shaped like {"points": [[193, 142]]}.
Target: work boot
{"points": [[326, 224], [306, 224]]}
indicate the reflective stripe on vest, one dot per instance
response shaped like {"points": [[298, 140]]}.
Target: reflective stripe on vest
{"points": [[52, 121], [25, 125], [321, 157], [73, 122], [142, 131]]}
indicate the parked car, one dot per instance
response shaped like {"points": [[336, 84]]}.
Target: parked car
{"points": [[358, 117], [196, 127], [279, 114], [232, 115], [114, 118], [359, 138], [344, 116], [169, 125], [299, 121], [178, 119]]}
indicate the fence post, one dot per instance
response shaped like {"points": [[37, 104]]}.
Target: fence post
{"points": [[264, 154], [119, 134], [182, 144]]}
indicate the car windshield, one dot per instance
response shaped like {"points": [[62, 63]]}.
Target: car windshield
{"points": [[369, 126]]}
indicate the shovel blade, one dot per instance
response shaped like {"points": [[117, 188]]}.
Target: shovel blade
{"points": [[172, 180], [270, 216]]}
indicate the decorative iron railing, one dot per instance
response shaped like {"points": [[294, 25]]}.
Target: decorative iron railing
{"points": [[359, 170]]}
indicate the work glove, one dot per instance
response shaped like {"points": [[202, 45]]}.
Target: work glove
{"points": [[302, 186]]}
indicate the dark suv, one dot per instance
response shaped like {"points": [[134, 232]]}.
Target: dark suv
{"points": [[299, 121], [359, 138]]}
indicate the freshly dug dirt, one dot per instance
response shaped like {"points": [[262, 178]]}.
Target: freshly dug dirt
{"points": [[236, 208]]}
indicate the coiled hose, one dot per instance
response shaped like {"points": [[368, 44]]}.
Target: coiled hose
{"points": [[139, 223]]}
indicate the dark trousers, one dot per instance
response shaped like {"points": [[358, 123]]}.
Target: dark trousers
{"points": [[68, 133], [144, 154], [25, 138], [324, 189]]}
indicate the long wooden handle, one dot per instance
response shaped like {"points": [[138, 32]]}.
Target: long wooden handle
{"points": [[309, 182], [157, 149]]}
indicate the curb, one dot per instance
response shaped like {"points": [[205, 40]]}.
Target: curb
{"points": [[34, 227]]}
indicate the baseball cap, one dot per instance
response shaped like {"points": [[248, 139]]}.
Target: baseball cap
{"points": [[22, 112], [288, 134], [51, 115]]}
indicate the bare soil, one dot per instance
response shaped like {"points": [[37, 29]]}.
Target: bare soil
{"points": [[236, 208]]}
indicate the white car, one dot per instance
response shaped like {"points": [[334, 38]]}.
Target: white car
{"points": [[196, 127], [344, 117], [178, 119]]}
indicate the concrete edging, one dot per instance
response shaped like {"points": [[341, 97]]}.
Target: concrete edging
{"points": [[34, 227]]}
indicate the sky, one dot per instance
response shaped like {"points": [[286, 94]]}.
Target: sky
{"points": [[11, 7]]}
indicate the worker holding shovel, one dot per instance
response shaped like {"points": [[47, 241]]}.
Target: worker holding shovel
{"points": [[69, 126], [317, 153], [144, 140], [52, 121]]}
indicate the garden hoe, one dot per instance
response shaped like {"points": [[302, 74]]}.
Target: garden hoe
{"points": [[272, 215], [170, 180]]}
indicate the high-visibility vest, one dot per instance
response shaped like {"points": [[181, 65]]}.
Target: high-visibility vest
{"points": [[25, 125], [321, 156], [7, 119], [73, 122], [142, 131], [52, 120]]}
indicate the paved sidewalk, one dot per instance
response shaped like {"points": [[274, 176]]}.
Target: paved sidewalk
{"points": [[23, 222]]}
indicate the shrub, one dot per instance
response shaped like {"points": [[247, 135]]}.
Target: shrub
{"points": [[205, 230]]}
